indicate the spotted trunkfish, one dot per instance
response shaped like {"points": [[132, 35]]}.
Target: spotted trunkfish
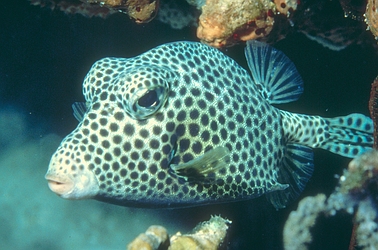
{"points": [[184, 125]]}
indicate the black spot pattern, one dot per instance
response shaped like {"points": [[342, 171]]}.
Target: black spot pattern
{"points": [[195, 99], [209, 124]]}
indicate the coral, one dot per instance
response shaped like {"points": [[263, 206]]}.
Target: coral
{"points": [[227, 22], [362, 172], [308, 210], [366, 218], [357, 193], [156, 237], [373, 109], [371, 17], [207, 235], [87, 10], [142, 11], [286, 6], [222, 23]]}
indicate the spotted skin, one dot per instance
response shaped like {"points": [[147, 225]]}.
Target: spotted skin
{"points": [[170, 106]]}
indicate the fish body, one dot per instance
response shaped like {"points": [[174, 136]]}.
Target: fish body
{"points": [[184, 125]]}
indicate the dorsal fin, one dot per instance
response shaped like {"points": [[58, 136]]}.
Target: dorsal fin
{"points": [[79, 109], [273, 70]]}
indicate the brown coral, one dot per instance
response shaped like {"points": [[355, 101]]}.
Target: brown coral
{"points": [[142, 11], [371, 17], [223, 23], [373, 108], [362, 175], [207, 235], [286, 6], [156, 237]]}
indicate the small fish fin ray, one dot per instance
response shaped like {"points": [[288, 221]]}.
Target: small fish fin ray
{"points": [[79, 109], [273, 73], [349, 135], [204, 169], [298, 166]]}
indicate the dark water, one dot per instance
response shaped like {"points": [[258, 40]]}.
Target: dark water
{"points": [[44, 56]]}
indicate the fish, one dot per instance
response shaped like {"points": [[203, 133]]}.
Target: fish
{"points": [[184, 125]]}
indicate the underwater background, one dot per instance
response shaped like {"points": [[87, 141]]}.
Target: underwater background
{"points": [[44, 56]]}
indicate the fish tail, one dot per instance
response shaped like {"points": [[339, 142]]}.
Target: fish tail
{"points": [[348, 135]]}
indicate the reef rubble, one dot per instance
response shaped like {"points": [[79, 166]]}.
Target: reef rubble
{"points": [[229, 22], [209, 235], [356, 194], [371, 17]]}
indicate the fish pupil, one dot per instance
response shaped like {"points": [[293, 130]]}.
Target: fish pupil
{"points": [[149, 99]]}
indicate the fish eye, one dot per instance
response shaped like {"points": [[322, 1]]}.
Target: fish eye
{"points": [[145, 91], [145, 102], [149, 99]]}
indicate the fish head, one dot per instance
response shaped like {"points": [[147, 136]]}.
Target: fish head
{"points": [[122, 138], [152, 129]]}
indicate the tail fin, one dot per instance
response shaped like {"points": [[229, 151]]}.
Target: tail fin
{"points": [[348, 135]]}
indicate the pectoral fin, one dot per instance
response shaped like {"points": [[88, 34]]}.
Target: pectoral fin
{"points": [[204, 169], [79, 110]]}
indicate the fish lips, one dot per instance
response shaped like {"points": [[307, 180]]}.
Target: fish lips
{"points": [[59, 186], [83, 186]]}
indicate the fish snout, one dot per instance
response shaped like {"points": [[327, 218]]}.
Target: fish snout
{"points": [[60, 187], [68, 174], [78, 185]]}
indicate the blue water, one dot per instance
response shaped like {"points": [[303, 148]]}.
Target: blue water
{"points": [[44, 56]]}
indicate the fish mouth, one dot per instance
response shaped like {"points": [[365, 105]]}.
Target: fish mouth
{"points": [[60, 187]]}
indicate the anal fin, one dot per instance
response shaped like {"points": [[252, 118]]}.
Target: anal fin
{"points": [[298, 166]]}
